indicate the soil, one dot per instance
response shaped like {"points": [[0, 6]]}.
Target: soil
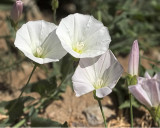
{"points": [[70, 108]]}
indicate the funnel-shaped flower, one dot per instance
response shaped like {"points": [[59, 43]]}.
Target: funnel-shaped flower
{"points": [[39, 42], [100, 73], [147, 91], [83, 36], [134, 59], [16, 11]]}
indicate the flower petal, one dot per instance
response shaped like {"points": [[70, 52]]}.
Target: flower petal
{"points": [[102, 92], [98, 64], [141, 80], [152, 88], [112, 74], [85, 72], [39, 30], [146, 75], [82, 88], [39, 60], [53, 48], [84, 76], [140, 94], [22, 40], [157, 76], [89, 67]]}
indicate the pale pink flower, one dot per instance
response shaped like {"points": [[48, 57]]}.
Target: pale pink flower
{"points": [[147, 90]]}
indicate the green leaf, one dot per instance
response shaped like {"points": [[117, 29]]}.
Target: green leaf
{"points": [[67, 66], [56, 69], [142, 70], [43, 87], [126, 104], [15, 107], [41, 122]]}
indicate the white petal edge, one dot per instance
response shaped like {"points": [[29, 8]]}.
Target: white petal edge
{"points": [[82, 81], [39, 60], [39, 30], [82, 88], [113, 73], [102, 92], [53, 47]]}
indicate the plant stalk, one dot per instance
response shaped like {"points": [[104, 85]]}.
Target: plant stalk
{"points": [[28, 80], [54, 16], [100, 105], [131, 111]]}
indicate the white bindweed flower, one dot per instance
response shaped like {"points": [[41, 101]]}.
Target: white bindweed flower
{"points": [[39, 42], [100, 73], [83, 36]]}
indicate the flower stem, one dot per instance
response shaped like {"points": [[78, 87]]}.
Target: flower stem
{"points": [[131, 111], [28, 80], [100, 105], [54, 16]]}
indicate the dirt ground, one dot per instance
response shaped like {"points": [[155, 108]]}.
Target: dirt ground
{"points": [[70, 108]]}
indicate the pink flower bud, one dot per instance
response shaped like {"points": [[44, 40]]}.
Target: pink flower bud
{"points": [[16, 11], [134, 59]]}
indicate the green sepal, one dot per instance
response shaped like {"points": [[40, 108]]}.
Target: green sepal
{"points": [[131, 80], [95, 97], [37, 64]]}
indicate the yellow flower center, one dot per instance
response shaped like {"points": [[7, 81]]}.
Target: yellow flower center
{"points": [[38, 52], [79, 47], [98, 84]]}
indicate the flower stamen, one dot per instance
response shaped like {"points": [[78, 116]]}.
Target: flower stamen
{"points": [[39, 52], [79, 47], [98, 84]]}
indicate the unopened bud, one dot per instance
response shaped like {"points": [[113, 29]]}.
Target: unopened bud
{"points": [[55, 4], [134, 59], [16, 11]]}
